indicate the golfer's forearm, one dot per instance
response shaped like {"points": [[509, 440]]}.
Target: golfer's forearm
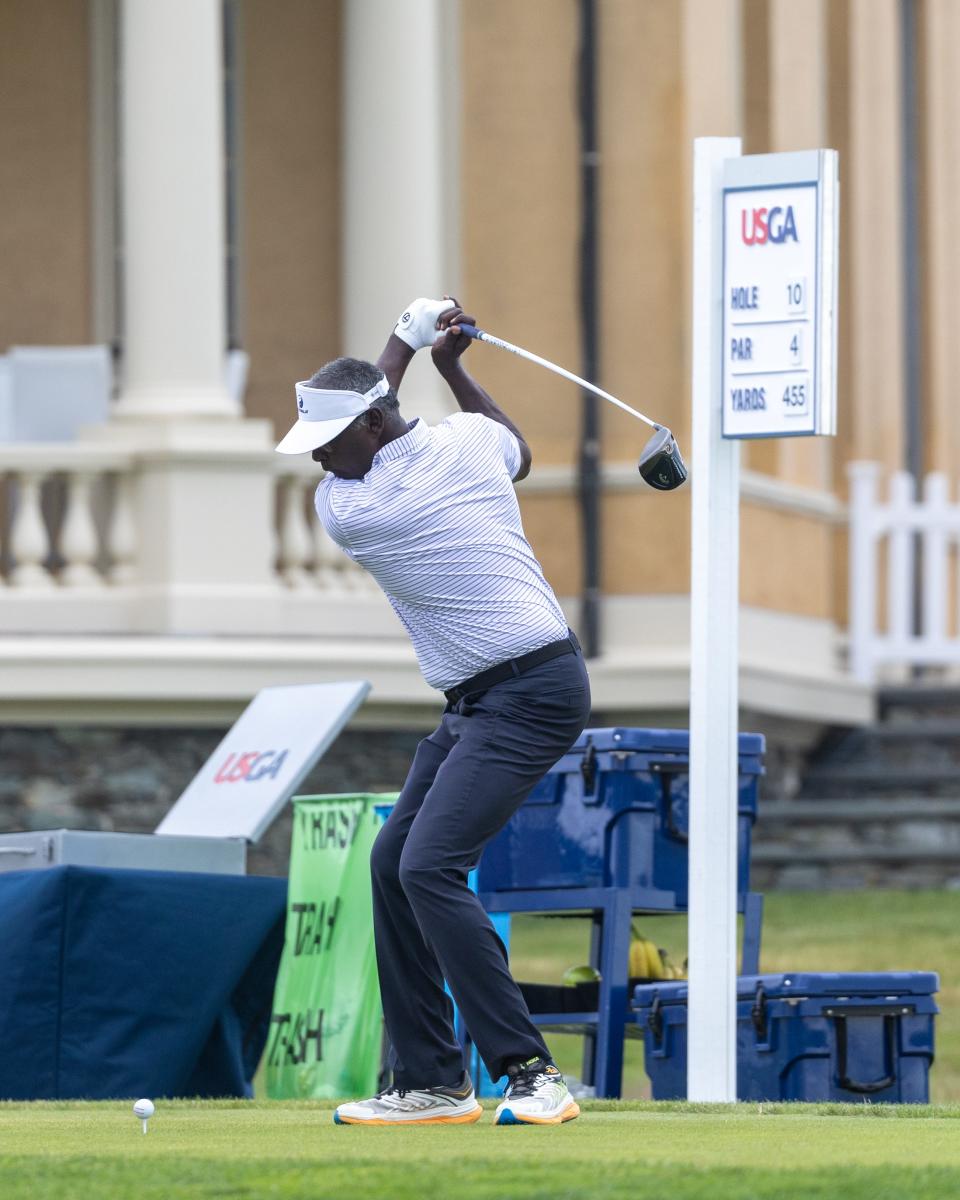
{"points": [[394, 360], [472, 398]]}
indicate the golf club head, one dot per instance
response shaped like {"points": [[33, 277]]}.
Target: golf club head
{"points": [[661, 465]]}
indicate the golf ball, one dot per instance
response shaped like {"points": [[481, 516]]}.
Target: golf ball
{"points": [[143, 1109]]}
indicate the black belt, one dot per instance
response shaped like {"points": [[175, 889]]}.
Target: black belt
{"points": [[512, 667]]}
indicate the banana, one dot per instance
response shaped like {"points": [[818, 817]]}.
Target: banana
{"points": [[645, 957], [656, 963], [638, 959], [648, 962]]}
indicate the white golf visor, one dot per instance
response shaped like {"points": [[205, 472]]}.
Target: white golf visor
{"points": [[323, 413]]}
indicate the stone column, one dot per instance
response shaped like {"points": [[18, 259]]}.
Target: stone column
{"points": [[174, 301], [798, 121], [203, 486], [401, 202]]}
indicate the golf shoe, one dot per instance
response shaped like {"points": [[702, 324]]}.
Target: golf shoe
{"points": [[414, 1106], [536, 1095]]}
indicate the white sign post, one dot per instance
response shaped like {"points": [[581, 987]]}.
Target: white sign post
{"points": [[764, 365], [714, 566]]}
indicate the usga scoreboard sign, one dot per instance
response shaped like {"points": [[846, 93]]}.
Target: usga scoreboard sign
{"points": [[780, 237]]}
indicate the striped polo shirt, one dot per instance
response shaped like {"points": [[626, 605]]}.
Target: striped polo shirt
{"points": [[436, 522]]}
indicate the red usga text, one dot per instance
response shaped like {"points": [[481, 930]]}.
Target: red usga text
{"points": [[251, 766]]}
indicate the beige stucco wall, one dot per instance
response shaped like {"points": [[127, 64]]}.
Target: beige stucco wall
{"points": [[44, 172], [521, 210], [668, 71], [642, 218], [519, 158], [521, 226], [786, 562], [290, 197]]}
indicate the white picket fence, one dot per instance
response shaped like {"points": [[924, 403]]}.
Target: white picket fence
{"points": [[919, 628]]}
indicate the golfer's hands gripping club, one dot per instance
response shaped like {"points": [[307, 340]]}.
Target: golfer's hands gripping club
{"points": [[451, 341], [419, 322]]}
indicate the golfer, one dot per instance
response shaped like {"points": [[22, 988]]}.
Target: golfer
{"points": [[431, 513]]}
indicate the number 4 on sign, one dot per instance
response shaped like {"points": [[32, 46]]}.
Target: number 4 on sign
{"points": [[795, 348]]}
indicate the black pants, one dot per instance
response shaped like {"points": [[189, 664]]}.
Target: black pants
{"points": [[467, 779]]}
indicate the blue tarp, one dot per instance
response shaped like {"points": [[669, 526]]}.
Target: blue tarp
{"points": [[119, 984]]}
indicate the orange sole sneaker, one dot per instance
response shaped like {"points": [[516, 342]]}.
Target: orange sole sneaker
{"points": [[461, 1119]]}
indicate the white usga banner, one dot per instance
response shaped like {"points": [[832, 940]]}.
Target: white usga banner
{"points": [[263, 759]]}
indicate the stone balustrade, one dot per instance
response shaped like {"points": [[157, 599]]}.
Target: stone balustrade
{"points": [[68, 517], [71, 525], [306, 556]]}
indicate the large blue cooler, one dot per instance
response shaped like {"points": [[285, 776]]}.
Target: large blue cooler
{"points": [[814, 1037], [614, 812]]}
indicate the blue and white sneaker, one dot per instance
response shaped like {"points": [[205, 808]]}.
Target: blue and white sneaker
{"points": [[536, 1095], [416, 1106]]}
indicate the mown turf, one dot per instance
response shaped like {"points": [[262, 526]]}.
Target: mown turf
{"points": [[812, 931], [616, 1150]]}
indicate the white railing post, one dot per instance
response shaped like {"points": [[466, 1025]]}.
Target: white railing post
{"points": [[863, 478], [328, 559], [78, 538], [900, 559], [121, 533], [29, 539], [294, 541], [936, 516]]}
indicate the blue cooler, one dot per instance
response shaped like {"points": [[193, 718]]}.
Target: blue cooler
{"points": [[814, 1037], [614, 812]]}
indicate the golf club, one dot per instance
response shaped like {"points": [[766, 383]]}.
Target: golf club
{"points": [[661, 464]]}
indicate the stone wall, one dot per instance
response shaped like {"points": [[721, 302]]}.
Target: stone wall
{"points": [[126, 780]]}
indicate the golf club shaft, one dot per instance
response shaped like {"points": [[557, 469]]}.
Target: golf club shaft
{"points": [[481, 336]]}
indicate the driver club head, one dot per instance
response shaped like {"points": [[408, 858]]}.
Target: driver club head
{"points": [[661, 465]]}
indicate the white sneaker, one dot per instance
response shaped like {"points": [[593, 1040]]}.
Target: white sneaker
{"points": [[416, 1106], [536, 1095]]}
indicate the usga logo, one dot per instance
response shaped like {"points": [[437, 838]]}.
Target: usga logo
{"points": [[251, 766], [761, 225]]}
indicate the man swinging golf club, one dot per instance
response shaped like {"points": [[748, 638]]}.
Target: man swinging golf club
{"points": [[431, 513]]}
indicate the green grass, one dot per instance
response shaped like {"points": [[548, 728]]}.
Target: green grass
{"points": [[834, 931], [616, 1150]]}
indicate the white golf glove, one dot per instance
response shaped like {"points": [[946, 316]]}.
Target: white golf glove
{"points": [[418, 324]]}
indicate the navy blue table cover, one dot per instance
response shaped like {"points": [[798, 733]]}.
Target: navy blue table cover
{"points": [[119, 984]]}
